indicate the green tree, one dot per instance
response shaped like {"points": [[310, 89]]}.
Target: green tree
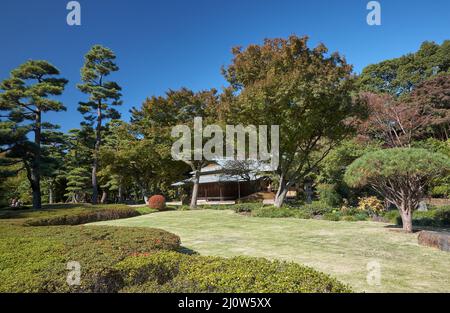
{"points": [[400, 175], [135, 158], [103, 95], [332, 169], [26, 98], [160, 114], [53, 155], [115, 173], [307, 92], [440, 186], [77, 162], [400, 75], [77, 179]]}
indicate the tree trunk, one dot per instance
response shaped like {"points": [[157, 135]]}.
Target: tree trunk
{"points": [[35, 175], [144, 193], [104, 196], [96, 150], [94, 182], [120, 195], [406, 214], [239, 189], [36, 196], [281, 196], [195, 190], [281, 192], [50, 195], [308, 192]]}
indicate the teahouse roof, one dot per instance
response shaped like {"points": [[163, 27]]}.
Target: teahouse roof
{"points": [[213, 173]]}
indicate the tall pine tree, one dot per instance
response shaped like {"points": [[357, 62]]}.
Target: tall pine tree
{"points": [[24, 99], [103, 95]]}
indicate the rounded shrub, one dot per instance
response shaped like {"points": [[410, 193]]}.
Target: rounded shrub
{"points": [[175, 272], [157, 202]]}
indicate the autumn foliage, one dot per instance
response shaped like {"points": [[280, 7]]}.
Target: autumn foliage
{"points": [[157, 202]]}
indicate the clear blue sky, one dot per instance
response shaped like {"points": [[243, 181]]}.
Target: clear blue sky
{"points": [[170, 44]]}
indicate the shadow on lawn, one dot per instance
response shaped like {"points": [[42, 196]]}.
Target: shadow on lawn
{"points": [[187, 251], [417, 229]]}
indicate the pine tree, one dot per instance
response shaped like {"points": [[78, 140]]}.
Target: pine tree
{"points": [[77, 162], [25, 98], [77, 180], [102, 96]]}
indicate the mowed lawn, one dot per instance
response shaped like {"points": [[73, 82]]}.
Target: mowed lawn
{"points": [[342, 249]]}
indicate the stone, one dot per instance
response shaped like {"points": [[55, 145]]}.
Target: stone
{"points": [[440, 240], [422, 207]]}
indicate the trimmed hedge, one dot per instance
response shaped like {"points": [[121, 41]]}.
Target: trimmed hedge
{"points": [[274, 212], [83, 217], [175, 272], [309, 211], [34, 259], [246, 207]]}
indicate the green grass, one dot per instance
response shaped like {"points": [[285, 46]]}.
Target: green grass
{"points": [[132, 259], [341, 249]]}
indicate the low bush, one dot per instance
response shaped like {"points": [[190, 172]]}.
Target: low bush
{"points": [[246, 207], [175, 272], [354, 217], [59, 209], [332, 216], [371, 205], [443, 215], [314, 210], [303, 214], [157, 202], [317, 208], [216, 207], [391, 216], [328, 195], [83, 217], [274, 212], [34, 259]]}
